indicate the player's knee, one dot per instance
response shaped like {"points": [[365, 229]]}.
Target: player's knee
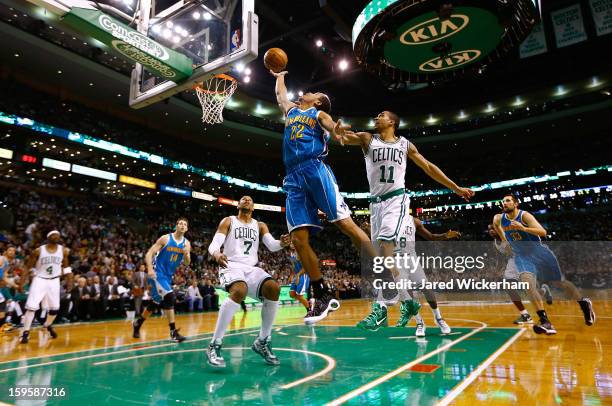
{"points": [[271, 290], [238, 291], [300, 239]]}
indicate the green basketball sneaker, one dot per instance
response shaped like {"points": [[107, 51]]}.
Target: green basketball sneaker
{"points": [[376, 319], [408, 308]]}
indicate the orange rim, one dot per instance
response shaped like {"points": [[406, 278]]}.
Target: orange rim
{"points": [[199, 88]]}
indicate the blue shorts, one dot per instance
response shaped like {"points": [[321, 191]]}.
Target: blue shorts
{"points": [[541, 262], [160, 287], [301, 287], [311, 187]]}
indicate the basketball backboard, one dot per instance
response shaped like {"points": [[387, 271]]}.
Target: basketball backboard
{"points": [[213, 34]]}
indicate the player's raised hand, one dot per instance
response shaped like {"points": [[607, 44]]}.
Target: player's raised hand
{"points": [[464, 192], [285, 240], [452, 234], [278, 74], [340, 131], [221, 259]]}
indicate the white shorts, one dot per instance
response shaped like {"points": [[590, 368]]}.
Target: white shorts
{"points": [[253, 276], [511, 271], [418, 276], [44, 289], [387, 216]]}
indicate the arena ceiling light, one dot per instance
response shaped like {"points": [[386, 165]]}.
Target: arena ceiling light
{"points": [[490, 108], [319, 43], [343, 65], [431, 119], [462, 115], [595, 82], [561, 90], [518, 101]]}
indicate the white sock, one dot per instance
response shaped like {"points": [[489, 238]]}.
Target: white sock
{"points": [[436, 313], [29, 316], [268, 314], [224, 318], [524, 311], [382, 303], [419, 318]]}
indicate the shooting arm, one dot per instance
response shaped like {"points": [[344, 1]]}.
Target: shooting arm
{"points": [[187, 257], [281, 93]]}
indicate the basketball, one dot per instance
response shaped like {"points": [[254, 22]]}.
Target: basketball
{"points": [[275, 59]]}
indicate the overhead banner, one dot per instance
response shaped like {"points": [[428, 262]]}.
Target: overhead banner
{"points": [[568, 25], [602, 16], [535, 43]]}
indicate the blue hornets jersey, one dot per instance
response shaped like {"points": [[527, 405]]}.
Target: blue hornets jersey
{"points": [[295, 263], [169, 257], [519, 240], [304, 138], [3, 266]]}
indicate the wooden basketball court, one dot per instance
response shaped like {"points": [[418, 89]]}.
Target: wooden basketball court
{"points": [[486, 359]]}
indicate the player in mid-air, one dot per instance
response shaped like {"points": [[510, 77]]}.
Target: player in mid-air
{"points": [[50, 262], [301, 280], [239, 236], [386, 155], [533, 259], [162, 259], [311, 186]]}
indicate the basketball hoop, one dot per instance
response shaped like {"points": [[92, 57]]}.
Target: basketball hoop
{"points": [[213, 93]]}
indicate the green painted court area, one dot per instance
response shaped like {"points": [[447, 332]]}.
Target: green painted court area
{"points": [[318, 365]]}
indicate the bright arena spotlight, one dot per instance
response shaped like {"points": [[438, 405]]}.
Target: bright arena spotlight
{"points": [[317, 203]]}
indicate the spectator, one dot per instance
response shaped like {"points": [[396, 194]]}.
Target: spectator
{"points": [[81, 300], [211, 299], [194, 297]]}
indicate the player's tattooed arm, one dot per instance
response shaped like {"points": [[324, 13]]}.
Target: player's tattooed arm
{"points": [[31, 261], [436, 173], [429, 236], [281, 92], [214, 249], [533, 226], [187, 257], [155, 248]]}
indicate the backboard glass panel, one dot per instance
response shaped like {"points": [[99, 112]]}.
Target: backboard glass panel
{"points": [[214, 34]]}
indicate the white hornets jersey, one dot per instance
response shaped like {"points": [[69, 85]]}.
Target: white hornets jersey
{"points": [[386, 165], [242, 242], [49, 264]]}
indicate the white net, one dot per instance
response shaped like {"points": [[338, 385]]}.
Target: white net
{"points": [[213, 94]]}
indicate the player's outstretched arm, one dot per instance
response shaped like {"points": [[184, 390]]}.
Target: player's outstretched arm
{"points": [[214, 249], [281, 92], [429, 236], [436, 173], [187, 256], [155, 248], [533, 226], [66, 269], [270, 242], [337, 130]]}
